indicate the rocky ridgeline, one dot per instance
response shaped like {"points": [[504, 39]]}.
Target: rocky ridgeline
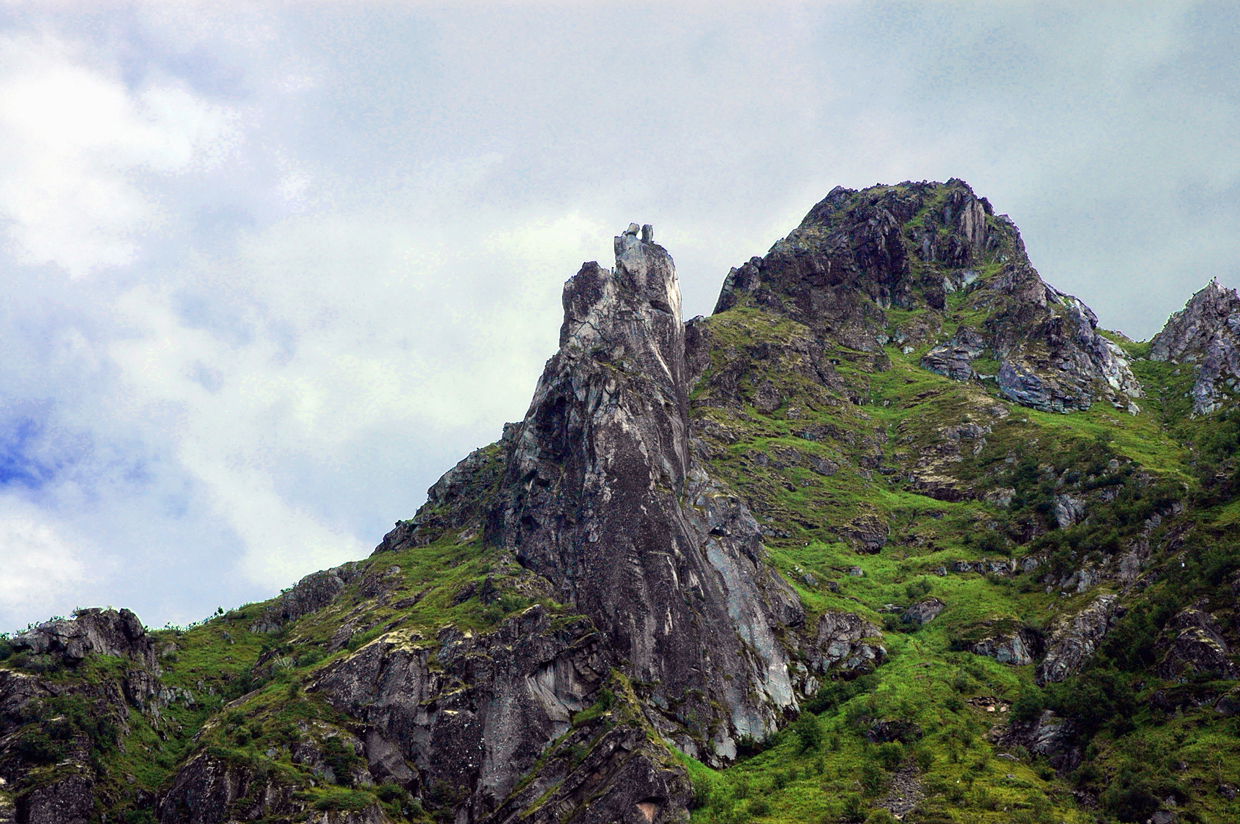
{"points": [[1205, 333], [649, 613], [597, 494]]}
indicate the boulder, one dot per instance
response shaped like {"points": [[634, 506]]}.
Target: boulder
{"points": [[1018, 648], [924, 611], [846, 642]]}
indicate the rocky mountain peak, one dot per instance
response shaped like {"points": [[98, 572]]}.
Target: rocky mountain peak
{"points": [[1205, 332], [857, 253], [931, 264]]}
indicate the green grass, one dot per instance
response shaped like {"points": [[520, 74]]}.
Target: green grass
{"points": [[904, 409]]}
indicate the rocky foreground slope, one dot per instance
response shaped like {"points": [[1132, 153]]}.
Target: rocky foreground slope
{"points": [[897, 532]]}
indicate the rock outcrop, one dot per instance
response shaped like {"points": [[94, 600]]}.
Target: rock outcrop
{"points": [[847, 642], [1206, 332], [1075, 638], [51, 715], [1017, 647], [1193, 643], [924, 611], [90, 631], [1049, 735], [603, 497]]}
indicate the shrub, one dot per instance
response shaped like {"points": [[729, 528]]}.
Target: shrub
{"points": [[38, 747], [1029, 706], [917, 589], [872, 778], [808, 732], [344, 800], [1129, 803], [854, 809], [340, 759], [834, 693], [889, 755]]}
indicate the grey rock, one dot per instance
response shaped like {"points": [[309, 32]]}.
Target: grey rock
{"points": [[604, 496], [1229, 702], [1205, 332], [312, 593], [1075, 638], [90, 631], [67, 800], [477, 718], [924, 611], [867, 533], [1051, 736], [851, 259], [955, 358], [1017, 648], [846, 642], [905, 732], [1069, 510], [647, 233], [1192, 642], [458, 503], [207, 789]]}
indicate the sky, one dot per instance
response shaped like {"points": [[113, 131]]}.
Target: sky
{"points": [[271, 268]]}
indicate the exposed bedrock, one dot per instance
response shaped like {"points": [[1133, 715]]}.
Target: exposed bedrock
{"points": [[604, 498]]}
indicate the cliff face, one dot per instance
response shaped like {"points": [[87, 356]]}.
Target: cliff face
{"points": [[816, 556], [604, 498]]}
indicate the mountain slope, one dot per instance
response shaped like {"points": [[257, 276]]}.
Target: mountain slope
{"points": [[896, 531]]}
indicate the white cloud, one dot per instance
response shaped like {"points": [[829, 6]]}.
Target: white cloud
{"points": [[44, 571], [78, 141]]}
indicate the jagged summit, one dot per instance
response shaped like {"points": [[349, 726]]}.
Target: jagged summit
{"points": [[1205, 332], [862, 260]]}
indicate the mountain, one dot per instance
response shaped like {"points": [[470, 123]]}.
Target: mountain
{"points": [[896, 533]]}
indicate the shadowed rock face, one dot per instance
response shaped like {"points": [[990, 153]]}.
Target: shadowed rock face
{"points": [[1206, 332], [476, 719], [603, 497], [858, 255], [1075, 638]]}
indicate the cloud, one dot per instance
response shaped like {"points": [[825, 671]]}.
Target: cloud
{"points": [[78, 143], [44, 570]]}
